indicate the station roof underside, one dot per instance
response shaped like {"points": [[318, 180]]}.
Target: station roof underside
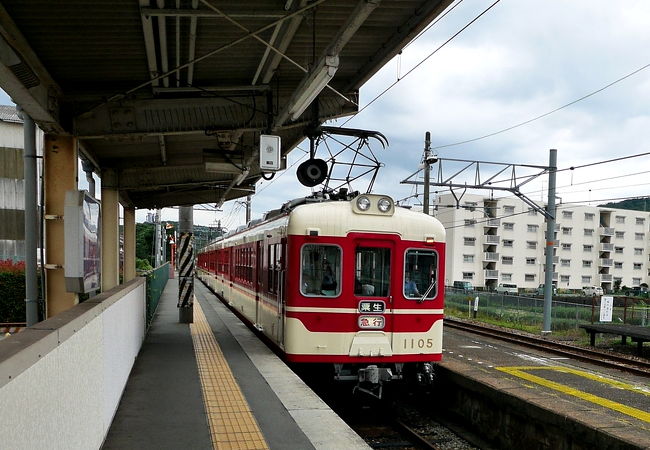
{"points": [[156, 90]]}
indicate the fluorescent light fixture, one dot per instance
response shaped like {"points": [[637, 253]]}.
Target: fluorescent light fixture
{"points": [[313, 85]]}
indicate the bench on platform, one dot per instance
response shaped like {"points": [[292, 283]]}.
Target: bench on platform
{"points": [[635, 333]]}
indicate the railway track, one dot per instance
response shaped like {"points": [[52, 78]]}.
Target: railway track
{"points": [[636, 366]]}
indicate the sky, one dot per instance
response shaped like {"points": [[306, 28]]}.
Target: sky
{"points": [[518, 61]]}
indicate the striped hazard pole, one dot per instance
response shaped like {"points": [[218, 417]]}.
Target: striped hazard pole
{"points": [[185, 271]]}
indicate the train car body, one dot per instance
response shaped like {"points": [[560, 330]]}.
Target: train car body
{"points": [[353, 283]]}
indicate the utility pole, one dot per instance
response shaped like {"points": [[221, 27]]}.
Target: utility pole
{"points": [[156, 240], [248, 208], [550, 241], [427, 170]]}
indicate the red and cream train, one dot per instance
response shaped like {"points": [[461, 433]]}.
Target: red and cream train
{"points": [[350, 281]]}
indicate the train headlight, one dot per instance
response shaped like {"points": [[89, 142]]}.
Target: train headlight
{"points": [[363, 203], [384, 204]]}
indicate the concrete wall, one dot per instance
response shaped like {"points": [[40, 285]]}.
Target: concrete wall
{"points": [[61, 380]]}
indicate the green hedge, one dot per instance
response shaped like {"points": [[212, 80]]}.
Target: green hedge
{"points": [[12, 291]]}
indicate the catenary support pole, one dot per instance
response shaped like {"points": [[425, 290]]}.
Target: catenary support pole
{"points": [[31, 220], [185, 265], [427, 171], [550, 241]]}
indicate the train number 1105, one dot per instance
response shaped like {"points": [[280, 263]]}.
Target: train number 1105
{"points": [[418, 343]]}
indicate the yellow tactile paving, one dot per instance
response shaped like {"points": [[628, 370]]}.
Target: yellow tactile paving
{"points": [[232, 424]]}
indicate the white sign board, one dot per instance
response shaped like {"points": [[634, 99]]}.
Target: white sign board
{"points": [[82, 242], [606, 307]]}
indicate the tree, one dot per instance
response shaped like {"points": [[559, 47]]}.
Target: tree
{"points": [[144, 240]]}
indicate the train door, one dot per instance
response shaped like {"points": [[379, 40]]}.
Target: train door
{"points": [[373, 285], [281, 255], [258, 262]]}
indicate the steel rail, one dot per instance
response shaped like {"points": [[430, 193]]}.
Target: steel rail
{"points": [[635, 366]]}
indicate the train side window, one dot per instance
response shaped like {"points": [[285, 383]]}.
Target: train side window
{"points": [[320, 273], [372, 271], [420, 274]]}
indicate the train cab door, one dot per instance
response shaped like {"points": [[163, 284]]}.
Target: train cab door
{"points": [[373, 292]]}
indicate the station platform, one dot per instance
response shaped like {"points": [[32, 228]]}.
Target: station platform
{"points": [[213, 384], [587, 406]]}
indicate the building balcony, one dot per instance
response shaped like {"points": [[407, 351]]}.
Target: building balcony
{"points": [[606, 262], [491, 274], [492, 223], [556, 276], [605, 277], [556, 260], [491, 239], [606, 247], [556, 243], [606, 231], [490, 256]]}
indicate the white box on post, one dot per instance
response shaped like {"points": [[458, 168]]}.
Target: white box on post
{"points": [[270, 153]]}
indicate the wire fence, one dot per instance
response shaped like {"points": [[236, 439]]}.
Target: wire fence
{"points": [[156, 281], [529, 311]]}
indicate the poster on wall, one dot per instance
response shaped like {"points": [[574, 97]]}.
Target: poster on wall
{"points": [[82, 242]]}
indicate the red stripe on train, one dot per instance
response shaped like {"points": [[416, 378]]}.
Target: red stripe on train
{"points": [[345, 323]]}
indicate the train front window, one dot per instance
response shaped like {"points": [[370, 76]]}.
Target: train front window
{"points": [[372, 271], [420, 276], [320, 273]]}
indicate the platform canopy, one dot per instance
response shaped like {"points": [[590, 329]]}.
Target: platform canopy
{"points": [[174, 94]]}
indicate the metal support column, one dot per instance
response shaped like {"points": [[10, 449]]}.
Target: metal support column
{"points": [[31, 220], [129, 244], [110, 231], [60, 175], [427, 171], [185, 265], [550, 240]]}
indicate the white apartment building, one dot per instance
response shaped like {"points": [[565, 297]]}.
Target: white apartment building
{"points": [[492, 241]]}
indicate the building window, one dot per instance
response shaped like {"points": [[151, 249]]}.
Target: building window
{"points": [[638, 266], [469, 241], [589, 217], [470, 205], [565, 262], [529, 277], [640, 221], [620, 219], [636, 281], [506, 260], [618, 265], [508, 242], [506, 277], [530, 261], [468, 275], [531, 244], [589, 231], [567, 214], [508, 226], [638, 251], [469, 222], [565, 278], [620, 234], [587, 248], [566, 231], [468, 258], [532, 212], [586, 263], [508, 209], [618, 279], [566, 246], [639, 236], [618, 249], [586, 279], [532, 228]]}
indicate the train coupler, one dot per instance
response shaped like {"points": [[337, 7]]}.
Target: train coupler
{"points": [[372, 378], [425, 375]]}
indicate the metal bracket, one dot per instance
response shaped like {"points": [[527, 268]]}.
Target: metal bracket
{"points": [[52, 217]]}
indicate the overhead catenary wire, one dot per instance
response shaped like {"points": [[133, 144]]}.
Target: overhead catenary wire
{"points": [[541, 116], [390, 86]]}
